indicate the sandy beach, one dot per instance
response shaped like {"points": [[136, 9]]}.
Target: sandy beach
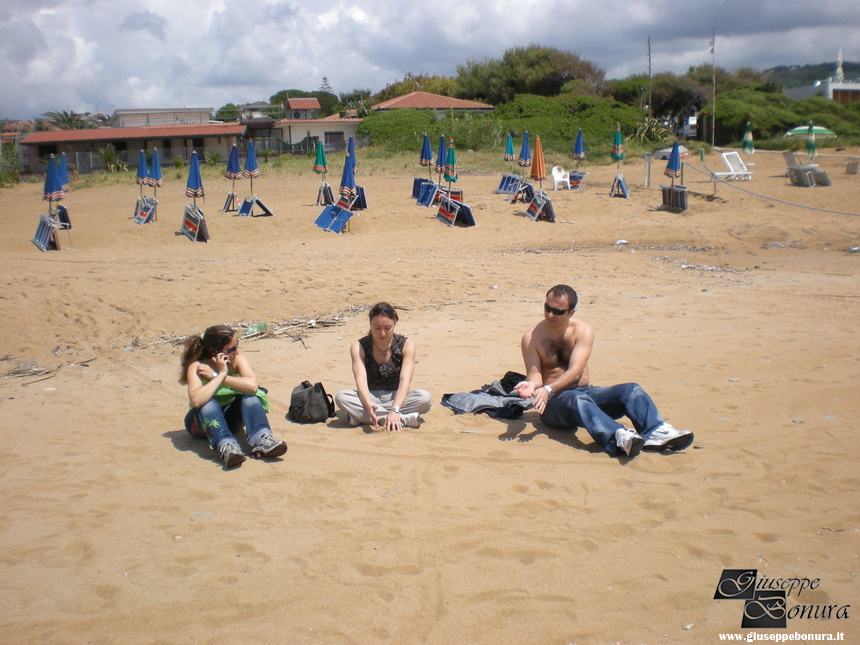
{"points": [[739, 317]]}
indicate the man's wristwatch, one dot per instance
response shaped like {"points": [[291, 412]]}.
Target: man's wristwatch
{"points": [[548, 389], [395, 409]]}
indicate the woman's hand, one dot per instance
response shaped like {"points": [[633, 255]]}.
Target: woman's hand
{"points": [[204, 371], [371, 412], [393, 422], [222, 363]]}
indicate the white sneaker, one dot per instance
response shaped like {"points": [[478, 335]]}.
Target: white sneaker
{"points": [[665, 437], [411, 420], [628, 441], [353, 422]]}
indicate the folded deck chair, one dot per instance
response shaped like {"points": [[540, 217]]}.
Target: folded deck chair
{"points": [[46, 234], [736, 170], [194, 224], [324, 195], [144, 210], [451, 212], [576, 177], [417, 183], [508, 184], [525, 193], [333, 219], [800, 176], [541, 208], [792, 161], [619, 187], [231, 204], [560, 177], [427, 193]]}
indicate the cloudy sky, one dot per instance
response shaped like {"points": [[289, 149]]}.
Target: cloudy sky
{"points": [[100, 55]]}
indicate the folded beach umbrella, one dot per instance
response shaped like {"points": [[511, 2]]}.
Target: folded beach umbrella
{"points": [[618, 146], [233, 172], [810, 142], [63, 170], [525, 158], [53, 190], [673, 167], [441, 156], [538, 171], [194, 187], [347, 181], [509, 151], [350, 148], [155, 178], [320, 163], [251, 168], [579, 147], [748, 146], [451, 164], [142, 171], [426, 158]]}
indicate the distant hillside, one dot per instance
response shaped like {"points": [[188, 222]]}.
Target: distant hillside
{"points": [[804, 75]]}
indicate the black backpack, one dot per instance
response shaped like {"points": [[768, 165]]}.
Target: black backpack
{"points": [[310, 403]]}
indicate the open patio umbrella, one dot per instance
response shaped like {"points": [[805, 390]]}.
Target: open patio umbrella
{"points": [[251, 168], [509, 151], [194, 187], [451, 165], [618, 146], [53, 190], [63, 169], [426, 158], [347, 181], [538, 171], [155, 178], [579, 148], [321, 163], [817, 130], [142, 171], [525, 158], [441, 158], [748, 146], [673, 167], [810, 143]]}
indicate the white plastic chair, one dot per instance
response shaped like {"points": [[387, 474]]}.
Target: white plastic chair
{"points": [[560, 177]]}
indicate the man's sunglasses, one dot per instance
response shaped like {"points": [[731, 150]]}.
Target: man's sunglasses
{"points": [[554, 311]]}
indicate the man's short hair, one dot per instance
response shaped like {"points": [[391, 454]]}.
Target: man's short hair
{"points": [[562, 290]]}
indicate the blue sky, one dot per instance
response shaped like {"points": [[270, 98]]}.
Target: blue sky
{"points": [[100, 55]]}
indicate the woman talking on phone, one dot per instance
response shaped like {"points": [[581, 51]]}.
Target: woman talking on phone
{"points": [[383, 363], [224, 395]]}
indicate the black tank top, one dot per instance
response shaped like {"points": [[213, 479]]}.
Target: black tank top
{"points": [[387, 375]]}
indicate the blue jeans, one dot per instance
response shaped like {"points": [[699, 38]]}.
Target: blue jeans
{"points": [[597, 408], [220, 423]]}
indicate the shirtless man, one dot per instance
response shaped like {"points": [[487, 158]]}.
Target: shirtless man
{"points": [[556, 353]]}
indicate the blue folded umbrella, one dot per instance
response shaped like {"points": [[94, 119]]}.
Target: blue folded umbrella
{"points": [[194, 187]]}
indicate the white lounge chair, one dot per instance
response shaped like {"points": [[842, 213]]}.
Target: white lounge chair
{"points": [[560, 177], [805, 175], [737, 170]]}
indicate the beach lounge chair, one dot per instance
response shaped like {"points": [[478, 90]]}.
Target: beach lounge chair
{"points": [[736, 169], [576, 177], [560, 177], [508, 184]]}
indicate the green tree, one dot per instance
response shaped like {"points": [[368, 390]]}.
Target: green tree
{"points": [[442, 85], [526, 70], [227, 112]]}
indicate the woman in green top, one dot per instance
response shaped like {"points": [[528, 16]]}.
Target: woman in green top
{"points": [[224, 395]]}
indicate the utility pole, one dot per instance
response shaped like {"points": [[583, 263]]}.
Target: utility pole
{"points": [[649, 77], [714, 84]]}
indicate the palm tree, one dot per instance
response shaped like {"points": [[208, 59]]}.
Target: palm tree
{"points": [[68, 120]]}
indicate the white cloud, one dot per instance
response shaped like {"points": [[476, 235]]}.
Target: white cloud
{"points": [[84, 55]]}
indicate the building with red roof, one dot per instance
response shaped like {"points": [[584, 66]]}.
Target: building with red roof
{"points": [[426, 100], [171, 141]]}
